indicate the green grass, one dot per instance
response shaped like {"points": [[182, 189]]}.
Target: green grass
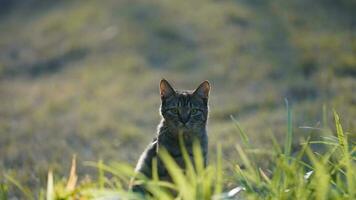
{"points": [[89, 86], [304, 174]]}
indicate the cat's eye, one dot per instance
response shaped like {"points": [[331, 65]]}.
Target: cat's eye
{"points": [[194, 111], [174, 110]]}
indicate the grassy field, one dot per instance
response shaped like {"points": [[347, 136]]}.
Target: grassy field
{"points": [[81, 77], [305, 174]]}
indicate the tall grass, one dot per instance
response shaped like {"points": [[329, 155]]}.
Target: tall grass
{"points": [[324, 173]]}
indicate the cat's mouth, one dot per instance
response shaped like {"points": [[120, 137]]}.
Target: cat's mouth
{"points": [[184, 126]]}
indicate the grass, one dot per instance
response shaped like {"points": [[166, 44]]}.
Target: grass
{"points": [[304, 174], [89, 86]]}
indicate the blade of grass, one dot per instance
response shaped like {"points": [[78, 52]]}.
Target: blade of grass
{"points": [[3, 191], [252, 171], [276, 145], [321, 178], [350, 176], [50, 186], [198, 157], [219, 171], [101, 179], [155, 170], [25, 191], [72, 180], [187, 161], [243, 135], [288, 142], [177, 175]]}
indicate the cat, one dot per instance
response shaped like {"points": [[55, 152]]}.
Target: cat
{"points": [[182, 112]]}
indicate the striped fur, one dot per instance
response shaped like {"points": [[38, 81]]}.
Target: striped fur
{"points": [[183, 112]]}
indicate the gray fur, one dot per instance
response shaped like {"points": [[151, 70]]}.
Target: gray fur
{"points": [[183, 112]]}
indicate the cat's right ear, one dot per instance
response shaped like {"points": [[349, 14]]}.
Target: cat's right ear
{"points": [[166, 90]]}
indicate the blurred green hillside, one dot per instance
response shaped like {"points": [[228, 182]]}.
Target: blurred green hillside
{"points": [[81, 77]]}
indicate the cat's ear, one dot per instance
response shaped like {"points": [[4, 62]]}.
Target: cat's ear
{"points": [[166, 90], [203, 90]]}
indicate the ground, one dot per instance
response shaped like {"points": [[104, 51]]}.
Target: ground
{"points": [[81, 77]]}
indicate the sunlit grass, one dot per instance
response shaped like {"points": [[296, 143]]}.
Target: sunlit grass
{"points": [[97, 105], [329, 173]]}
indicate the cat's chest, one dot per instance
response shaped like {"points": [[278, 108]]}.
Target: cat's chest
{"points": [[170, 140], [173, 146]]}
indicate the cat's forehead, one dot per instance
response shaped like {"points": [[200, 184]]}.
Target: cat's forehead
{"points": [[184, 92], [184, 98]]}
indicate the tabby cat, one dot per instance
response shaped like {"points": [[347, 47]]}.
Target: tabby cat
{"points": [[183, 113]]}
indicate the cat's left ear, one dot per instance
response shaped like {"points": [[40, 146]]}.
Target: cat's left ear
{"points": [[203, 90]]}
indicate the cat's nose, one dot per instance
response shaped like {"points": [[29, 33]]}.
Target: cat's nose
{"points": [[184, 121], [185, 117]]}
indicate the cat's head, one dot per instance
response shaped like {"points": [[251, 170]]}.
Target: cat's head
{"points": [[184, 110]]}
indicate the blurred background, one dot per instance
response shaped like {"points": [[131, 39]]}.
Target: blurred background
{"points": [[81, 77]]}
